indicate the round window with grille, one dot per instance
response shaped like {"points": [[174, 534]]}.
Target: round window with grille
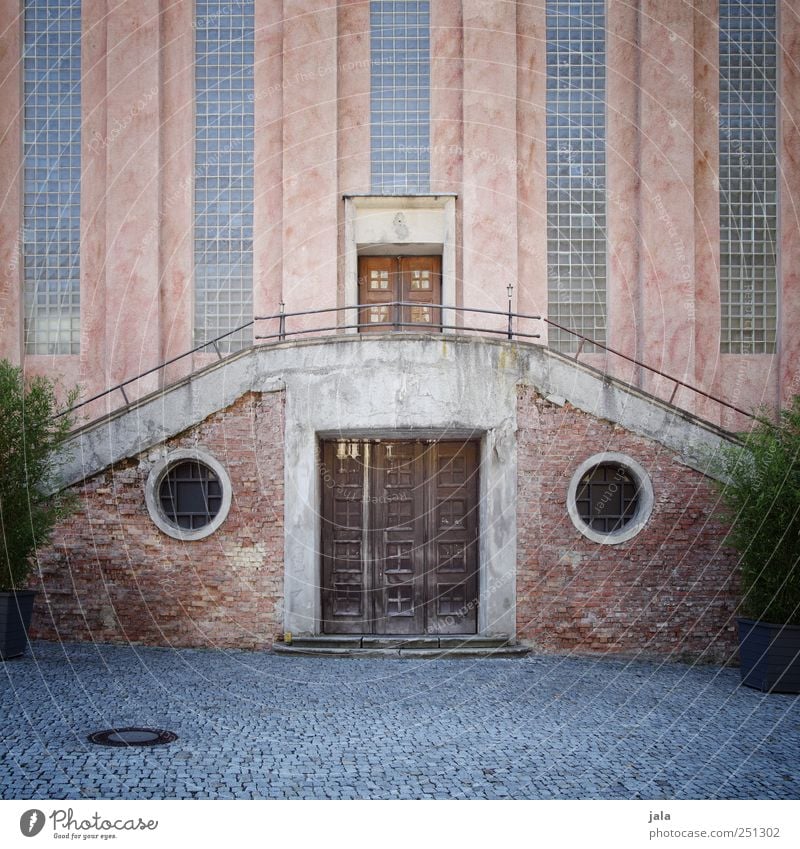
{"points": [[610, 498], [188, 494]]}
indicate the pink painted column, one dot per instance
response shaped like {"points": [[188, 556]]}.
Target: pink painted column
{"points": [[353, 91], [667, 184], [310, 192], [447, 77], [704, 84], [94, 108], [353, 85], [267, 227], [623, 294], [132, 195], [490, 134], [11, 181], [531, 170], [789, 200], [175, 245]]}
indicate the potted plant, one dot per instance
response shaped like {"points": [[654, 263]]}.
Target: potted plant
{"points": [[761, 493], [31, 435]]}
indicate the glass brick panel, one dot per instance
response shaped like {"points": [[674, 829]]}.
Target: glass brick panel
{"points": [[748, 189], [224, 140], [52, 171], [400, 96], [576, 170]]}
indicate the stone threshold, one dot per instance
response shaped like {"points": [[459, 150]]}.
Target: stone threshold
{"points": [[401, 646]]}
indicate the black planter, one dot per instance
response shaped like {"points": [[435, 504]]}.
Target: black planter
{"points": [[770, 656], [16, 609]]}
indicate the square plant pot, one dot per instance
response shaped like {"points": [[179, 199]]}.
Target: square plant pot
{"points": [[16, 610], [769, 656]]}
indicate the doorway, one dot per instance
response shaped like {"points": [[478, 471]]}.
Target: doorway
{"points": [[415, 280], [399, 537]]}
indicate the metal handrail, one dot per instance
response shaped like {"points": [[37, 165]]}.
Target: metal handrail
{"points": [[587, 340], [507, 332]]}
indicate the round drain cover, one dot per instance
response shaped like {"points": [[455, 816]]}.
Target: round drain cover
{"points": [[132, 737]]}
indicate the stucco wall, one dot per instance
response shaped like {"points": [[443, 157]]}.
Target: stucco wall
{"points": [[312, 147]]}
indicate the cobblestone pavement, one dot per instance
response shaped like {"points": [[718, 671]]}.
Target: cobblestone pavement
{"points": [[254, 725]]}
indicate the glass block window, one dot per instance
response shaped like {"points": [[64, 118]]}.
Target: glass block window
{"points": [[576, 170], [400, 96], [748, 176], [224, 140], [52, 173]]}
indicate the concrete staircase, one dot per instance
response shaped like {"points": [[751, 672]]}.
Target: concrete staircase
{"points": [[403, 647]]}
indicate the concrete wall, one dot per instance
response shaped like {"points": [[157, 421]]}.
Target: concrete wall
{"points": [[111, 574], [390, 386], [312, 119]]}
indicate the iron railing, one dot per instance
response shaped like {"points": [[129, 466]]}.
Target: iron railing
{"points": [[508, 331]]}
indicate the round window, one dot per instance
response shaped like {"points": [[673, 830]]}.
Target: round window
{"points": [[610, 498], [188, 494]]}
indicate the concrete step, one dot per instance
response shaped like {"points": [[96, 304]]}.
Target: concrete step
{"points": [[409, 647]]}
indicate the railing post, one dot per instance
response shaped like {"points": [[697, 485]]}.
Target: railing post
{"points": [[510, 289], [282, 321]]}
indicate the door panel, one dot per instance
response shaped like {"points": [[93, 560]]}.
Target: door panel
{"points": [[452, 540], [346, 587], [399, 537], [411, 279], [398, 524], [420, 283], [377, 286]]}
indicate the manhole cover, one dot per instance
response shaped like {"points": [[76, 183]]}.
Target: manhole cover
{"points": [[132, 737]]}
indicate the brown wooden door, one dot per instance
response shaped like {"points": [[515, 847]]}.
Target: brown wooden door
{"points": [[399, 537], [412, 279]]}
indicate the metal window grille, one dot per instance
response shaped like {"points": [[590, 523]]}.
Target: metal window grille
{"points": [[748, 176], [607, 498], [576, 170], [224, 153], [190, 495], [400, 96], [50, 241]]}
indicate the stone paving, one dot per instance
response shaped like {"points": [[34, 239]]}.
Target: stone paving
{"points": [[255, 725]]}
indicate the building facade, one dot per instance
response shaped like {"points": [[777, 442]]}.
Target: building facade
{"points": [[469, 287]]}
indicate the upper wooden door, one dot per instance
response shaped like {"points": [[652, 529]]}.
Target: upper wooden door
{"points": [[400, 537], [416, 280]]}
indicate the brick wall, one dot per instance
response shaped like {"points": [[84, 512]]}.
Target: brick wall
{"points": [[671, 590], [110, 575]]}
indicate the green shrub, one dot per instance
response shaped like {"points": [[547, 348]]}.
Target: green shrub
{"points": [[31, 435], [761, 495]]}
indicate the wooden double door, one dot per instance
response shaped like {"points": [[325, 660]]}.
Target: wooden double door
{"points": [[415, 280], [399, 537]]}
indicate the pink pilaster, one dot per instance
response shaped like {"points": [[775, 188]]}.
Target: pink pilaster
{"points": [[531, 167], [667, 192], [789, 200], [310, 195], [11, 181], [623, 293], [267, 227], [489, 206], [176, 184], [132, 191]]}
